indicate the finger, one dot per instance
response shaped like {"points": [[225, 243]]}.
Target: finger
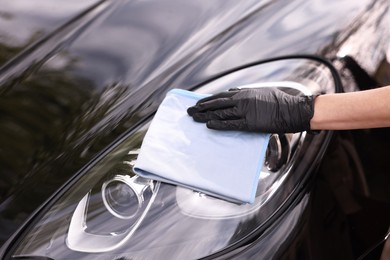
{"points": [[225, 94], [216, 104], [239, 125], [203, 104], [201, 117], [211, 105], [221, 114], [192, 110]]}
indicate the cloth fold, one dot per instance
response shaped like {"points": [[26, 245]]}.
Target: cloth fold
{"points": [[180, 151]]}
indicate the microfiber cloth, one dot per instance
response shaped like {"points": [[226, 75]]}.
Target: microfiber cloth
{"points": [[180, 151]]}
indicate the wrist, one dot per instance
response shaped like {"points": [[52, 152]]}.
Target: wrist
{"points": [[315, 120]]}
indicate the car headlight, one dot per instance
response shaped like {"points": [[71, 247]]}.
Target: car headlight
{"points": [[110, 212]]}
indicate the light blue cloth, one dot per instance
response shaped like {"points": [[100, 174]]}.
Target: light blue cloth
{"points": [[180, 151]]}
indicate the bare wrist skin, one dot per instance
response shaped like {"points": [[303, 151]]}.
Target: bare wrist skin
{"points": [[356, 110]]}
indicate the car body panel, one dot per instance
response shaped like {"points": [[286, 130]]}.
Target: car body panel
{"points": [[76, 76]]}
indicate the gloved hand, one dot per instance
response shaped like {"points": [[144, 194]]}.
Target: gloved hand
{"points": [[256, 110]]}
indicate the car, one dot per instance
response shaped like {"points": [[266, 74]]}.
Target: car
{"points": [[80, 82]]}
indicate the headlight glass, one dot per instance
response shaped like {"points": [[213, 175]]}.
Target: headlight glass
{"points": [[113, 214]]}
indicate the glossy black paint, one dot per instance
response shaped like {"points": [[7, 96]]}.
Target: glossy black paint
{"points": [[237, 231], [77, 75]]}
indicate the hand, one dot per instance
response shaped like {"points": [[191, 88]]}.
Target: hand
{"points": [[255, 110]]}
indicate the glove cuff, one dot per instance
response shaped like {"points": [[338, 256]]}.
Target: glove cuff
{"points": [[308, 113]]}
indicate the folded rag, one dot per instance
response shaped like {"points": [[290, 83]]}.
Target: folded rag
{"points": [[180, 151]]}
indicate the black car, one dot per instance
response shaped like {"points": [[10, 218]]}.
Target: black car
{"points": [[80, 82]]}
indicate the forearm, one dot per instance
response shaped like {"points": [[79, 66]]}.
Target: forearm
{"points": [[356, 110]]}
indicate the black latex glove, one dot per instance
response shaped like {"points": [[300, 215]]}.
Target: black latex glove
{"points": [[256, 110]]}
